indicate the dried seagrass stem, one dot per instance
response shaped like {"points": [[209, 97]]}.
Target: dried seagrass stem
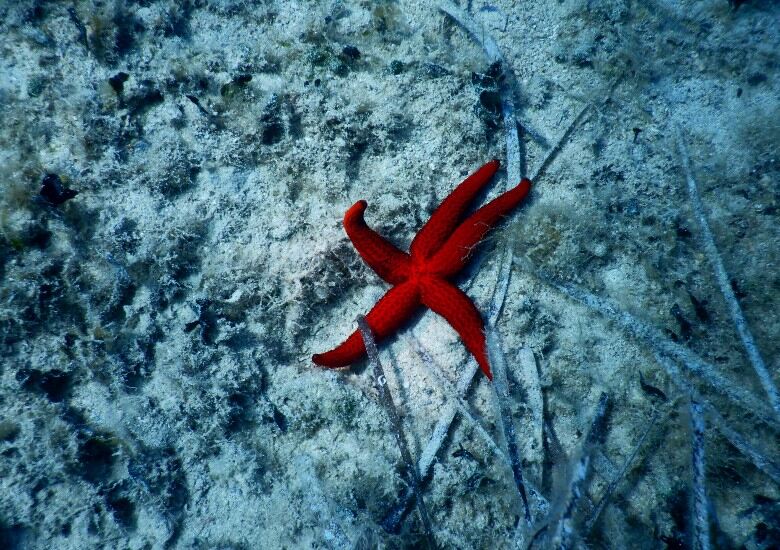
{"points": [[503, 275], [609, 491], [527, 372], [514, 161], [498, 363], [701, 516], [445, 421], [455, 397], [431, 449], [660, 344], [664, 351], [559, 145], [387, 401], [480, 37], [564, 532], [724, 282], [436, 440], [750, 452]]}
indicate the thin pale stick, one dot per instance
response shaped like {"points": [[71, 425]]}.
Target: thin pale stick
{"points": [[724, 282], [387, 401]]}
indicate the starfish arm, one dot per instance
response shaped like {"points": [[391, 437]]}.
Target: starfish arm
{"points": [[389, 313], [454, 253], [445, 218], [386, 260], [452, 303]]}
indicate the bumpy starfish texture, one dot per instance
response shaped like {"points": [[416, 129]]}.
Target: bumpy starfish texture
{"points": [[423, 276]]}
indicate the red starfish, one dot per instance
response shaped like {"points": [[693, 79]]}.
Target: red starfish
{"points": [[437, 253]]}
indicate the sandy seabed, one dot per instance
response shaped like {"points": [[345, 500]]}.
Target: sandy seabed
{"points": [[156, 329]]}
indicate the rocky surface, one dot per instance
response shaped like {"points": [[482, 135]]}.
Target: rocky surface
{"points": [[172, 178]]}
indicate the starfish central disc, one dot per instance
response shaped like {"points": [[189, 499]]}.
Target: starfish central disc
{"points": [[423, 276]]}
